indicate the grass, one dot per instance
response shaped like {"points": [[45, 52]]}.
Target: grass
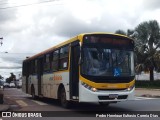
{"points": [[148, 84]]}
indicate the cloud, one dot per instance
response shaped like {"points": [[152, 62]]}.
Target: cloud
{"points": [[93, 16], [35, 28], [68, 26], [6, 16], [151, 4]]}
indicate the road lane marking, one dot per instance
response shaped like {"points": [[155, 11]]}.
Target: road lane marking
{"points": [[21, 103], [18, 95], [39, 102], [8, 89], [19, 90], [144, 98]]}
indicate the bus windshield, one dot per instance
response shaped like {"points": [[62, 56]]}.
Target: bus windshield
{"points": [[99, 61]]}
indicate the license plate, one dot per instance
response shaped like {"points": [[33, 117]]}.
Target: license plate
{"points": [[113, 96]]}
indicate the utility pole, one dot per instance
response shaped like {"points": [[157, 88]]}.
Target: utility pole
{"points": [[1, 94], [1, 42]]}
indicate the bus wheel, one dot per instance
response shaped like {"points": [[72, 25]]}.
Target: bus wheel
{"points": [[105, 104], [63, 100]]}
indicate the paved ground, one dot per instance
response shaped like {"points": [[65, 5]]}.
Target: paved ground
{"points": [[4, 106], [142, 92], [152, 93]]}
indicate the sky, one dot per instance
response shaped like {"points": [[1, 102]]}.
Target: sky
{"points": [[31, 26]]}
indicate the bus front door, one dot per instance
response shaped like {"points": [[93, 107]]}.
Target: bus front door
{"points": [[74, 70]]}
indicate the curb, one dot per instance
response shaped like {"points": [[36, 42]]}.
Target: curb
{"points": [[147, 89], [150, 96]]}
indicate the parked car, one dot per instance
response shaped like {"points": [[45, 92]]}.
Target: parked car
{"points": [[1, 84], [19, 84], [6, 85], [12, 85]]}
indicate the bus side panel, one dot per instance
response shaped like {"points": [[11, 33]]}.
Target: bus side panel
{"points": [[29, 84], [24, 84], [62, 78], [33, 81], [65, 79], [47, 85], [51, 82]]}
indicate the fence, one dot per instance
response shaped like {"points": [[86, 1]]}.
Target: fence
{"points": [[145, 76]]}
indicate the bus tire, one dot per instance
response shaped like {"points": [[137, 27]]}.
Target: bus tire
{"points": [[64, 103]]}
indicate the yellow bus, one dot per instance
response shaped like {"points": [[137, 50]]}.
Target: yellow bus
{"points": [[91, 67]]}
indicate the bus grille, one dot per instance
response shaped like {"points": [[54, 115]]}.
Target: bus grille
{"points": [[112, 89], [107, 97]]}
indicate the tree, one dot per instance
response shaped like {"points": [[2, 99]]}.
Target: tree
{"points": [[1, 78], [8, 80], [12, 77], [147, 41], [130, 33], [121, 32], [157, 60]]}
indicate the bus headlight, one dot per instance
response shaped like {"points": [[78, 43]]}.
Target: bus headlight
{"points": [[89, 87], [130, 88], [94, 89]]}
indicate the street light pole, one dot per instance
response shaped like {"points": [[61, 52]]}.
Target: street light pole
{"points": [[1, 41]]}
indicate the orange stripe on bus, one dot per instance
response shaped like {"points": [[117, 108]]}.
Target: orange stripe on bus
{"points": [[57, 77]]}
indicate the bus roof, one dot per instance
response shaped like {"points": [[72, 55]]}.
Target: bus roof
{"points": [[51, 49], [69, 41]]}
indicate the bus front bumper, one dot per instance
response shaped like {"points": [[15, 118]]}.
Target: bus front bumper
{"points": [[86, 95]]}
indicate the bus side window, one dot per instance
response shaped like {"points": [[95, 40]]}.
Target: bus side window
{"points": [[35, 67], [64, 53], [55, 61], [47, 67]]}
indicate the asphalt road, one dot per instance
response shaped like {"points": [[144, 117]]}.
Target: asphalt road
{"points": [[22, 102]]}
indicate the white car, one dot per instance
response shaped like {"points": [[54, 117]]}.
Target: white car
{"points": [[6, 85], [19, 84], [12, 85]]}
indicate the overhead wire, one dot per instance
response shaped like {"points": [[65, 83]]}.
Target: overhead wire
{"points": [[24, 5], [6, 53]]}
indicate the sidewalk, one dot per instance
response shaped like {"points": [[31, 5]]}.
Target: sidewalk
{"points": [[3, 107], [143, 92]]}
